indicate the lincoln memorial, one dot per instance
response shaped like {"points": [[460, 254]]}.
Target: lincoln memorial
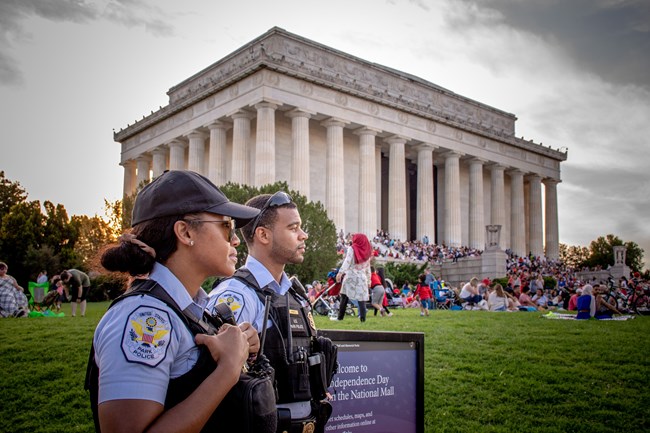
{"points": [[380, 148]]}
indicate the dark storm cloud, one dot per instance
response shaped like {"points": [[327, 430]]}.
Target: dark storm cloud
{"points": [[613, 185], [611, 38], [615, 198], [129, 13]]}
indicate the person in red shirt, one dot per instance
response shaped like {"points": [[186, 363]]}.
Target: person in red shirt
{"points": [[573, 300], [377, 291], [424, 294]]}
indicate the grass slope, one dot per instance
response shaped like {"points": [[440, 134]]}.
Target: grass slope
{"points": [[488, 372]]}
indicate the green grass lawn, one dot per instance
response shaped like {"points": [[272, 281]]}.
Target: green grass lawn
{"points": [[488, 372]]}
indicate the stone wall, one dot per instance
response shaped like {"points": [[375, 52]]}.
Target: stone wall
{"points": [[492, 264]]}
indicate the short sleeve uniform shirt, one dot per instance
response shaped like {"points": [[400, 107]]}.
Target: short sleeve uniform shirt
{"points": [[140, 343]]}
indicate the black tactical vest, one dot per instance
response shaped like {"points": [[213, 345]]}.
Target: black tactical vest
{"points": [[289, 342]]}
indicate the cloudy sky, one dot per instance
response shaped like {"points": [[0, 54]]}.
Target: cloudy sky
{"points": [[575, 73]]}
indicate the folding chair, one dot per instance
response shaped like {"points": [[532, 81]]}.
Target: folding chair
{"points": [[37, 292], [442, 299]]}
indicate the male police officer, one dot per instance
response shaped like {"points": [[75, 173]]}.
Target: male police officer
{"points": [[275, 238]]}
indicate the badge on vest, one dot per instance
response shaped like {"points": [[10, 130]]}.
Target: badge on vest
{"points": [[296, 323], [147, 334], [234, 300]]}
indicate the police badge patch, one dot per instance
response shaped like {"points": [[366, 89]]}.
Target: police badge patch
{"points": [[234, 300], [147, 334]]}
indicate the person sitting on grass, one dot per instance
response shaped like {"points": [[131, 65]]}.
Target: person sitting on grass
{"points": [[573, 300], [556, 299], [469, 292], [513, 301], [525, 300], [604, 309], [497, 299], [13, 302], [586, 303], [540, 299], [409, 301]]}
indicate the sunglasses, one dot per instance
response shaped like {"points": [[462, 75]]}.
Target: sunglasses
{"points": [[228, 224], [280, 198]]}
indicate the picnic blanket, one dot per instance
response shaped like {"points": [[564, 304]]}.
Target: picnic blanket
{"points": [[45, 313], [563, 316]]}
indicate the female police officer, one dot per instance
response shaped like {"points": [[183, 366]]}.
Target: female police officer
{"points": [[183, 232]]}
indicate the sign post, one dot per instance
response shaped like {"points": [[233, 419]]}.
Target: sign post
{"points": [[379, 386]]}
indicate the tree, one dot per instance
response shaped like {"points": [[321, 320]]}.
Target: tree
{"points": [[93, 234], [11, 193], [573, 256], [22, 230], [58, 232], [320, 254], [601, 253], [401, 273], [31, 241], [115, 211], [43, 258]]}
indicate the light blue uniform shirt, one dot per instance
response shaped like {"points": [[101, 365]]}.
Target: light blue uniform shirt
{"points": [[243, 301], [140, 343]]}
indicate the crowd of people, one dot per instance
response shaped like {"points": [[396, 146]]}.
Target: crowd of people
{"points": [[525, 290], [71, 285], [420, 250]]}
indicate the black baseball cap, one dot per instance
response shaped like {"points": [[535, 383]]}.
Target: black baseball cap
{"points": [[181, 192]]}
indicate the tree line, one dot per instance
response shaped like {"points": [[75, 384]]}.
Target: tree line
{"points": [[35, 238], [600, 254]]}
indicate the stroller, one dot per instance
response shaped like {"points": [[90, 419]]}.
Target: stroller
{"points": [[323, 307], [394, 300]]}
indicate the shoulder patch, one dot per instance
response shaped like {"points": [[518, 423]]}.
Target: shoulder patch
{"points": [[147, 333], [234, 300]]}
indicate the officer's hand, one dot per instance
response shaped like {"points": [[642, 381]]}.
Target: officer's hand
{"points": [[252, 337], [229, 347]]}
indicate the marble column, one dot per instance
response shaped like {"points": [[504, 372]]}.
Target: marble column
{"points": [[335, 173], [265, 147], [367, 178], [240, 147], [551, 220], [476, 209], [378, 185], [177, 155], [300, 163], [159, 160], [453, 230], [536, 229], [498, 207], [130, 183], [217, 153], [397, 224], [527, 214], [517, 213], [426, 220], [144, 166], [196, 154]]}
